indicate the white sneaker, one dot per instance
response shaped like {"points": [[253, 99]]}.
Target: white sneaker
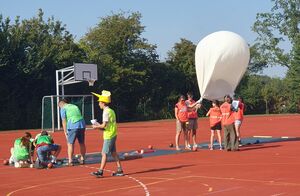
{"points": [[17, 165], [53, 159], [11, 160]]}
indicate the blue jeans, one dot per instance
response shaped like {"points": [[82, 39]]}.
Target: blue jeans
{"points": [[43, 152]]}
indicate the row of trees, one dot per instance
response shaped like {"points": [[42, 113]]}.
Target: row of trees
{"points": [[128, 65]]}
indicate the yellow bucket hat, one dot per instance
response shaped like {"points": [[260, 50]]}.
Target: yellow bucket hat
{"points": [[104, 97]]}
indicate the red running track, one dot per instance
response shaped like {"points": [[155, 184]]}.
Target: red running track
{"points": [[262, 169]]}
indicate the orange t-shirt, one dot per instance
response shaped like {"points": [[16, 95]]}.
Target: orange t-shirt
{"points": [[227, 114], [215, 116], [182, 111], [193, 113], [239, 115]]}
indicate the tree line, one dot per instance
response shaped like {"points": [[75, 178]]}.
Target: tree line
{"points": [[143, 87]]}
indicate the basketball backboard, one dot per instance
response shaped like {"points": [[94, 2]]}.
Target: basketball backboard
{"points": [[85, 72]]}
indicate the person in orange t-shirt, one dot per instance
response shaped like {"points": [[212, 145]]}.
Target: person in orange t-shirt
{"points": [[230, 139], [215, 117], [181, 114], [192, 125], [239, 116]]}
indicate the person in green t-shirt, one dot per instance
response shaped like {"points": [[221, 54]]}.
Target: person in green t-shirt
{"points": [[74, 128], [109, 127], [21, 155], [45, 147]]}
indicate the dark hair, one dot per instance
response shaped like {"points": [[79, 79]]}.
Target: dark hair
{"points": [[25, 142], [28, 135], [189, 94], [227, 98], [216, 102], [64, 100], [241, 98], [44, 133], [181, 97]]}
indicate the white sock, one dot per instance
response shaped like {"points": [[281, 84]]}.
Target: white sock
{"points": [[53, 160]]}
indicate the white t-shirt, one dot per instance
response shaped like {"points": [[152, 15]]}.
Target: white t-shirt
{"points": [[105, 115]]}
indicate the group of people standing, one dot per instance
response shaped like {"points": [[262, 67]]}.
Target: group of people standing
{"points": [[220, 117]]}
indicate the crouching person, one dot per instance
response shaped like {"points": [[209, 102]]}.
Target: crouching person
{"points": [[21, 155], [45, 147]]}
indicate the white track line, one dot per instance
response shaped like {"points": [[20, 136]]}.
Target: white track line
{"points": [[147, 193], [262, 136], [268, 136]]}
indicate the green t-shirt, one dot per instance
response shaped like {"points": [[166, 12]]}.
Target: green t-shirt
{"points": [[20, 152], [44, 139], [109, 117], [72, 113]]}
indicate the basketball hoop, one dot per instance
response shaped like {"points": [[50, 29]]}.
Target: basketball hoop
{"points": [[91, 82]]}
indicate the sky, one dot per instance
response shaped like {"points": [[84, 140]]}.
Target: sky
{"points": [[165, 21]]}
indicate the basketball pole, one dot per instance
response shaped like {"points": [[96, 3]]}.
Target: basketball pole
{"points": [[72, 77]]}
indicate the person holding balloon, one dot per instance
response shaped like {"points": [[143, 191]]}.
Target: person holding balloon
{"points": [[192, 120], [182, 120], [228, 119], [239, 116]]}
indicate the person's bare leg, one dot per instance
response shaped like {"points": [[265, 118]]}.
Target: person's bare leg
{"points": [[212, 134], [116, 157], [219, 138], [70, 152], [82, 151], [177, 139], [237, 130], [103, 161], [194, 132]]}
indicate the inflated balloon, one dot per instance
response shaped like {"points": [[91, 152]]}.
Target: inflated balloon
{"points": [[221, 60]]}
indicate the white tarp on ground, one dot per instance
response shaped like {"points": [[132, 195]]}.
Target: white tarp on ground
{"points": [[221, 61]]}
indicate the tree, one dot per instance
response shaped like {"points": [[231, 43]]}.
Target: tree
{"points": [[275, 28], [123, 58], [250, 88], [182, 58], [293, 78], [30, 52]]}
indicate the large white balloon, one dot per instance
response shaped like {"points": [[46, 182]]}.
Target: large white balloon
{"points": [[221, 61]]}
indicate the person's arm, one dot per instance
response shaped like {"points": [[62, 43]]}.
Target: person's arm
{"points": [[191, 106], [176, 112], [64, 120], [100, 126], [31, 152], [64, 124], [208, 113]]}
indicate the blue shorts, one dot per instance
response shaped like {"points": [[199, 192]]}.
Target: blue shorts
{"points": [[109, 146], [43, 152], [72, 134]]}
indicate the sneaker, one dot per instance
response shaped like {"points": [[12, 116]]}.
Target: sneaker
{"points": [[98, 174], [118, 173], [81, 161], [188, 147]]}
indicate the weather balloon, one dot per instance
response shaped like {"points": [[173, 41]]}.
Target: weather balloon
{"points": [[221, 60]]}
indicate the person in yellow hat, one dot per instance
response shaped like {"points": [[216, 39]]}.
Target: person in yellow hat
{"points": [[109, 127]]}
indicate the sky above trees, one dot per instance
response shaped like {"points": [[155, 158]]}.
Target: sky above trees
{"points": [[166, 22]]}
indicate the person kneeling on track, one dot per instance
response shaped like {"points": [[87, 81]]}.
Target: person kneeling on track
{"points": [[21, 155], [44, 148]]}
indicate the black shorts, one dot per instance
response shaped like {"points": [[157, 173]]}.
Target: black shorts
{"points": [[216, 127]]}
